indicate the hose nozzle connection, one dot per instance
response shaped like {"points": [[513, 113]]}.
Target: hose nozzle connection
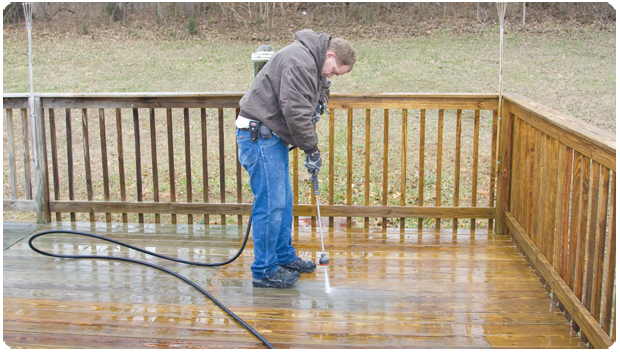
{"points": [[324, 260]]}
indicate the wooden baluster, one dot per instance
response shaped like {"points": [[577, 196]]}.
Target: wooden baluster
{"points": [[121, 161], [136, 131], [574, 220], [530, 162], [520, 170], [541, 203], [550, 197], [313, 200], [562, 210], [55, 173], [608, 303], [583, 227], [590, 249], [154, 162], [613, 326], [457, 165], [439, 165], [11, 141], [69, 159], [349, 161], [205, 161], [537, 196], [332, 119], [386, 139], [516, 191], [599, 251], [222, 160], [403, 168], [296, 184], [27, 156], [173, 192], [188, 162], [421, 168], [238, 166], [367, 169], [493, 169], [474, 181], [104, 162], [88, 174]]}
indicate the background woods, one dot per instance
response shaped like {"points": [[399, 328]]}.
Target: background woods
{"points": [[281, 17]]}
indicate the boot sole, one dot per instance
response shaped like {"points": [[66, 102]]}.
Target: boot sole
{"points": [[263, 284]]}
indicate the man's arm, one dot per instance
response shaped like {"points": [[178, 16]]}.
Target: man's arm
{"points": [[296, 93]]}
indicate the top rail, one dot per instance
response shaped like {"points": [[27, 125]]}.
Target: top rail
{"points": [[231, 100], [589, 140]]}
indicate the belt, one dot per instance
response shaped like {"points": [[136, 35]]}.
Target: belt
{"points": [[257, 129], [251, 123], [243, 123]]}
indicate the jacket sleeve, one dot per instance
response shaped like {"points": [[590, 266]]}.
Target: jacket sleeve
{"points": [[325, 83], [296, 93]]}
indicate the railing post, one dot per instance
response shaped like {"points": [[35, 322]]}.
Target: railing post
{"points": [[39, 160], [505, 162]]}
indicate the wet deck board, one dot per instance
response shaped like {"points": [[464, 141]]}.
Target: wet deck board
{"points": [[13, 232], [429, 289]]}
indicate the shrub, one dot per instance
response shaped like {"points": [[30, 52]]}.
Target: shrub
{"points": [[192, 26]]}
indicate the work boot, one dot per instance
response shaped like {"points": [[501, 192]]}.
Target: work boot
{"points": [[282, 278], [301, 266]]}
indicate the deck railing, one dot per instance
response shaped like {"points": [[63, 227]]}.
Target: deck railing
{"points": [[114, 155], [557, 198], [405, 160]]}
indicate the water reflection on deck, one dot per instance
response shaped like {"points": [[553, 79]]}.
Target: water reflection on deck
{"points": [[430, 289]]}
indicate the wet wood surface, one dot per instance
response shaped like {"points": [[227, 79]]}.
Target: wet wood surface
{"points": [[386, 290]]}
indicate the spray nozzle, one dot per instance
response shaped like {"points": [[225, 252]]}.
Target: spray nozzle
{"points": [[324, 259]]}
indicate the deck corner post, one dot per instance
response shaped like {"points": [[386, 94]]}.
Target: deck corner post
{"points": [[39, 160], [505, 164]]}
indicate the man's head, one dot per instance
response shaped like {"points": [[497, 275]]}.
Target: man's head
{"points": [[339, 58]]}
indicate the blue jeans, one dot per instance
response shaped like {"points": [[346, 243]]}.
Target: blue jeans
{"points": [[266, 161]]}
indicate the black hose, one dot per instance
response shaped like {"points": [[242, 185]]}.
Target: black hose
{"points": [[218, 303]]}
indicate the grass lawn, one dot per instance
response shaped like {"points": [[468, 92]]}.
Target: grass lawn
{"points": [[573, 71]]}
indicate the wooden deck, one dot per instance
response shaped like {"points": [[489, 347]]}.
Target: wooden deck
{"points": [[388, 290]]}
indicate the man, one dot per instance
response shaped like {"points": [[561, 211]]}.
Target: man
{"points": [[277, 111]]}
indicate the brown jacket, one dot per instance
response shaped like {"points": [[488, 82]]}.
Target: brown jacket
{"points": [[287, 90]]}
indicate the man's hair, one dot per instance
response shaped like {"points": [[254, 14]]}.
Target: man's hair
{"points": [[345, 54]]}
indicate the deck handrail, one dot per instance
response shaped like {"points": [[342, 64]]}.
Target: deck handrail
{"points": [[556, 197], [340, 104]]}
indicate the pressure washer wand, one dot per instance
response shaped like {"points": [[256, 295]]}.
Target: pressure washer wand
{"points": [[315, 186]]}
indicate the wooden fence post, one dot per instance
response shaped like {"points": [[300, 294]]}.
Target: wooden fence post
{"points": [[41, 186], [505, 161]]}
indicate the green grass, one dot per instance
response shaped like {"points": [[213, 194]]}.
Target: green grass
{"points": [[573, 72]]}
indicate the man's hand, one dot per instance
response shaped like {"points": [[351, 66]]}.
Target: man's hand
{"points": [[313, 163], [320, 109]]}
